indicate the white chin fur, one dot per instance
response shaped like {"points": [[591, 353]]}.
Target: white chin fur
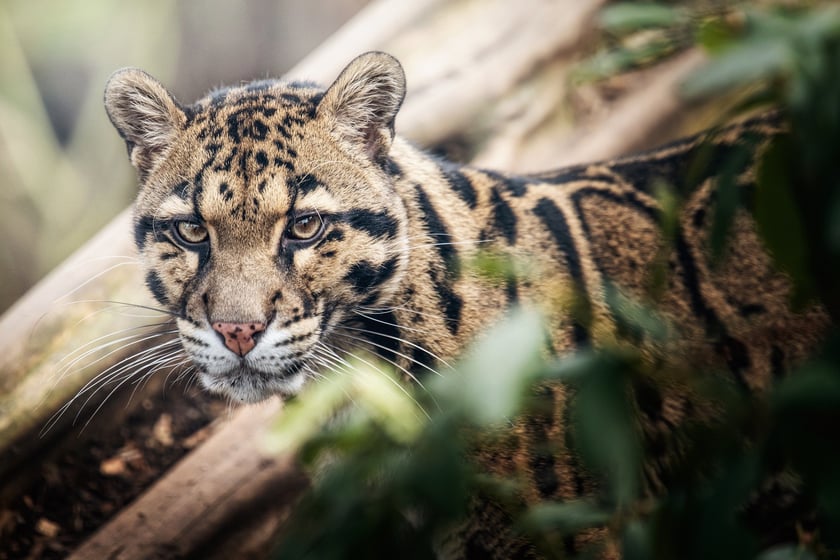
{"points": [[263, 373], [251, 387]]}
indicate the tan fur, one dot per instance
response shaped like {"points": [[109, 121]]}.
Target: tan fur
{"points": [[384, 274]]}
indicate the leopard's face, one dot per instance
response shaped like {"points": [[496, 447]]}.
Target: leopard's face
{"points": [[266, 217]]}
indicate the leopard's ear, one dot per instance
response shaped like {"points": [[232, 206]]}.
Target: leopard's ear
{"points": [[363, 102], [145, 114]]}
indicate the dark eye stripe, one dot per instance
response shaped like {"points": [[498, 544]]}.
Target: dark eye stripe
{"points": [[364, 275], [156, 286], [146, 225], [375, 224]]}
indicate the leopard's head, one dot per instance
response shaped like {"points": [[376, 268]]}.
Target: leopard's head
{"points": [[266, 216]]}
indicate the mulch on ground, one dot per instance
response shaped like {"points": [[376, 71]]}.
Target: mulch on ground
{"points": [[81, 488]]}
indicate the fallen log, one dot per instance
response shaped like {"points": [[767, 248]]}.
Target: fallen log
{"points": [[52, 326], [232, 482]]}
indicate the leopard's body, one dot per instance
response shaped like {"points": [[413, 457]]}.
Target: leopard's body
{"points": [[294, 213]]}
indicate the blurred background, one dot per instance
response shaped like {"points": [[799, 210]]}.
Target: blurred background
{"points": [[63, 172]]}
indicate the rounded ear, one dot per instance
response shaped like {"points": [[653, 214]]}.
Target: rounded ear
{"points": [[145, 114], [364, 100]]}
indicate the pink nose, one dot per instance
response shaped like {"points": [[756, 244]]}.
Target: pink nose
{"points": [[239, 337]]}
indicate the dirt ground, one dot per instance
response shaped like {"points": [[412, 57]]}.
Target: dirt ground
{"points": [[78, 490]]}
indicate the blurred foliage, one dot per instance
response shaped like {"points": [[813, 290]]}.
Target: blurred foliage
{"points": [[63, 167], [60, 161], [783, 54], [392, 468]]}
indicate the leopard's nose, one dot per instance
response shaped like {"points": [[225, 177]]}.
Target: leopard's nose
{"points": [[239, 337]]}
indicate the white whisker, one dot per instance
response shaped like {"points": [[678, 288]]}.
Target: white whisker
{"points": [[111, 373], [407, 342], [383, 310], [401, 327], [135, 339], [410, 360], [449, 243], [391, 380], [130, 366], [94, 277]]}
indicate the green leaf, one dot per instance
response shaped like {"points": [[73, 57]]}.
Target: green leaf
{"points": [[778, 219], [817, 386], [715, 35], [748, 62], [787, 552], [605, 64], [575, 368], [670, 204], [500, 267], [633, 319], [386, 400], [729, 194], [304, 416], [609, 63], [636, 541], [627, 17], [566, 517], [492, 380], [604, 427]]}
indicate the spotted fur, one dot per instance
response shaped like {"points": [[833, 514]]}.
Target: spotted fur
{"points": [[386, 270]]}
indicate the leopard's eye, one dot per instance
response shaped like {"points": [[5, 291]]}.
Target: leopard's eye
{"points": [[190, 233], [305, 228]]}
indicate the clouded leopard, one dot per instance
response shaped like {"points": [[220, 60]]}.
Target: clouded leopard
{"points": [[281, 221]]}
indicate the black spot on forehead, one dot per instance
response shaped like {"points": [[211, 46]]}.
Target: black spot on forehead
{"points": [[306, 183], [225, 191], [246, 131], [248, 122], [265, 111], [292, 98], [266, 96], [259, 129]]}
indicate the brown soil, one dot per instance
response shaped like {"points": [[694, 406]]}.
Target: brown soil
{"points": [[79, 489]]}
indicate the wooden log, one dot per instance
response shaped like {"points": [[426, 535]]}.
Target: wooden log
{"points": [[50, 327], [642, 119], [476, 55], [244, 473], [231, 483]]}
